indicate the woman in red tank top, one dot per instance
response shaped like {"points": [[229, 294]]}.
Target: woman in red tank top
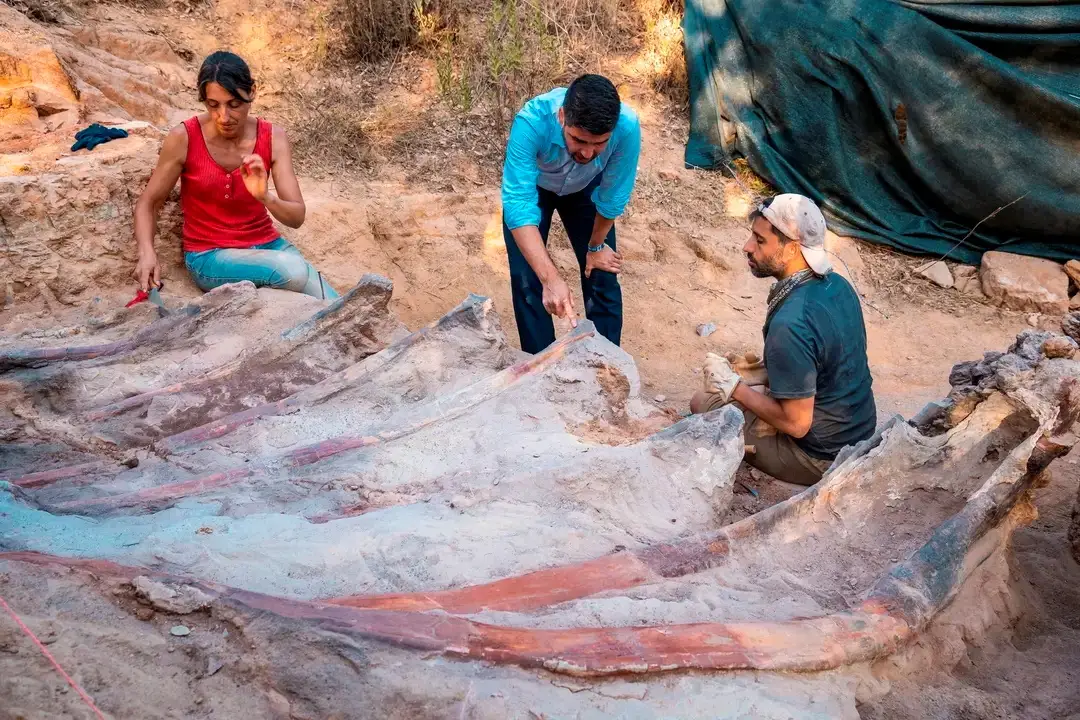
{"points": [[223, 160]]}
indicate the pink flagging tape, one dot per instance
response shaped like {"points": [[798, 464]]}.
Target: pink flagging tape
{"points": [[45, 651]]}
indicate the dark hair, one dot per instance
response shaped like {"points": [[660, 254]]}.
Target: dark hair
{"points": [[592, 104], [230, 72]]}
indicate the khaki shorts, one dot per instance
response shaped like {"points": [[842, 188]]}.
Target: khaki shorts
{"points": [[774, 452], [778, 455]]}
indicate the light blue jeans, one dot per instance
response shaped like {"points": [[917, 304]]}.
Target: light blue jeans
{"points": [[276, 264]]}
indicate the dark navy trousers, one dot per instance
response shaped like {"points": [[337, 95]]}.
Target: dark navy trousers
{"points": [[602, 293]]}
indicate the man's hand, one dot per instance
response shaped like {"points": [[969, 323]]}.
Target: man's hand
{"points": [[253, 171], [147, 270], [558, 300], [720, 378], [606, 259]]}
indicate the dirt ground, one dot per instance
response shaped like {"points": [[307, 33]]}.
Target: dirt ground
{"points": [[1031, 667], [425, 212]]}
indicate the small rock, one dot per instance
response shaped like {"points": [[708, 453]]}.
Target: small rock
{"points": [[144, 613], [706, 329], [936, 272], [354, 487], [1072, 269], [669, 175], [1024, 283], [1059, 347], [1033, 320], [661, 398], [495, 481], [1070, 325], [964, 271], [213, 664], [279, 705], [1074, 304], [973, 288], [179, 599], [179, 630]]}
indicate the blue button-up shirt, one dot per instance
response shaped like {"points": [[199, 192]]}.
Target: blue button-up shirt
{"points": [[536, 156]]}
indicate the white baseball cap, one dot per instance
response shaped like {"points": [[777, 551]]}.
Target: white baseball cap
{"points": [[798, 218]]}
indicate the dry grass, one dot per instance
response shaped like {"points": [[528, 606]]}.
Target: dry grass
{"points": [[485, 58], [373, 30], [46, 11], [330, 121], [661, 62]]}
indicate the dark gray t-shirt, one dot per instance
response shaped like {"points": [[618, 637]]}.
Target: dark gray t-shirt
{"points": [[815, 346]]}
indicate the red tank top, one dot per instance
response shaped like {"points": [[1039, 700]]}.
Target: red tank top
{"points": [[219, 212]]}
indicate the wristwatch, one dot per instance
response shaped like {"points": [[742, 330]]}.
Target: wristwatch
{"points": [[599, 247]]}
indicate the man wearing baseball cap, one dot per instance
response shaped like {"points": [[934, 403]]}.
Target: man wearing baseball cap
{"points": [[818, 397]]}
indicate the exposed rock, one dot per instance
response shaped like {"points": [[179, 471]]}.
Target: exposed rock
{"points": [[1074, 303], [1072, 269], [1024, 283], [51, 80], [1033, 320], [280, 707], [963, 373], [1028, 345], [1009, 373], [70, 226], [706, 329], [1070, 325], [179, 599], [973, 288], [938, 273], [1074, 528], [1059, 347], [965, 271]]}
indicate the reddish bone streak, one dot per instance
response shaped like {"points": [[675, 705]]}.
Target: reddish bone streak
{"points": [[155, 495], [47, 477]]}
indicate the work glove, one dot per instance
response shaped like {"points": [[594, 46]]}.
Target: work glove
{"points": [[750, 368], [89, 138], [720, 378]]}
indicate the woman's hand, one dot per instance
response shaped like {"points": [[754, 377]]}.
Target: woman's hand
{"points": [[147, 270], [253, 171]]}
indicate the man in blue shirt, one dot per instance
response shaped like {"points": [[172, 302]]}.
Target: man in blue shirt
{"points": [[573, 150]]}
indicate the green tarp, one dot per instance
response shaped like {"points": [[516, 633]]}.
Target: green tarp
{"points": [[909, 122]]}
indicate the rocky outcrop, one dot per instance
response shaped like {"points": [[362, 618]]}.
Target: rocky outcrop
{"points": [[54, 79], [68, 228], [1025, 283], [66, 218]]}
